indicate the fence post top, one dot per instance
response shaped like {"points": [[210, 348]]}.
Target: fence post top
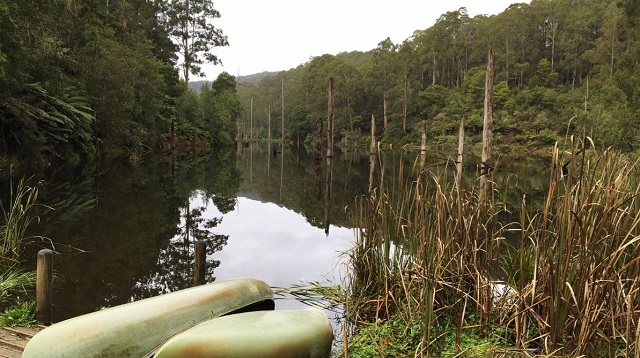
{"points": [[45, 252]]}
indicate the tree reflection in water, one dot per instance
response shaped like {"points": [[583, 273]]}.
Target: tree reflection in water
{"points": [[176, 261]]}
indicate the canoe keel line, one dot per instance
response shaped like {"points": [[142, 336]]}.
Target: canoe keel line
{"points": [[141, 328]]}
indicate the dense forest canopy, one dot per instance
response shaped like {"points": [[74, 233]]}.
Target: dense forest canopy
{"points": [[84, 77], [561, 65]]}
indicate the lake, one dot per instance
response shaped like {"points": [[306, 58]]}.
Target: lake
{"points": [[120, 230]]}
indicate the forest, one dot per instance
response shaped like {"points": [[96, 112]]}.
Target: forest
{"points": [[561, 67], [83, 78]]}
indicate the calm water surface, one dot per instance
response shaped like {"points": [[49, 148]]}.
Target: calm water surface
{"points": [[120, 232]]}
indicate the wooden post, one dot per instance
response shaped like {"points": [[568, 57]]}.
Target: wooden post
{"points": [[200, 262], [44, 281]]}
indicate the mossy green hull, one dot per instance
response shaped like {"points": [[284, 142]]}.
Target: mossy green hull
{"points": [[282, 334], [138, 328]]}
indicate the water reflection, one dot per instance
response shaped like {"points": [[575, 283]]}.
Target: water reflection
{"points": [[175, 262], [277, 245], [127, 232], [124, 245]]}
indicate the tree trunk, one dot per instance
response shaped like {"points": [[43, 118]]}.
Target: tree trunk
{"points": [[460, 155], [372, 152], [423, 146], [487, 131], [330, 120], [384, 110], [282, 112], [372, 147], [327, 194], [404, 109]]}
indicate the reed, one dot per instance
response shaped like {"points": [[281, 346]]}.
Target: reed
{"points": [[429, 252], [425, 253], [15, 285], [585, 296], [16, 218]]}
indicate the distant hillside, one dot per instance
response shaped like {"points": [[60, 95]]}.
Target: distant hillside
{"points": [[256, 77], [196, 86]]}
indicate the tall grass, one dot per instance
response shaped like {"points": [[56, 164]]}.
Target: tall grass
{"points": [[428, 252], [16, 218], [15, 285]]}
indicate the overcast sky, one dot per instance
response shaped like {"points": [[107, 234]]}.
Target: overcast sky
{"points": [[278, 35]]}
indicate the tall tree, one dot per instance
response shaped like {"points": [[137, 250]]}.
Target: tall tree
{"points": [[383, 60], [190, 24]]}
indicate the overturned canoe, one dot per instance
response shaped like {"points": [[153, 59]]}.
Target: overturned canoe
{"points": [[282, 334], [138, 328]]}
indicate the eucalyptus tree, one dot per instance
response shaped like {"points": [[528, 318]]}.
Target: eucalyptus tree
{"points": [[383, 73], [190, 25], [607, 49], [505, 33], [583, 29], [347, 82], [410, 74]]}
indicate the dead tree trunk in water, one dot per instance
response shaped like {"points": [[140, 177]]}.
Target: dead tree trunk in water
{"points": [[485, 298], [330, 120], [423, 146], [487, 131], [282, 139], [460, 154], [372, 152], [327, 194], [269, 126], [251, 122], [318, 158]]}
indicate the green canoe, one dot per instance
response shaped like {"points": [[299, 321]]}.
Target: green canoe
{"points": [[138, 328], [282, 334]]}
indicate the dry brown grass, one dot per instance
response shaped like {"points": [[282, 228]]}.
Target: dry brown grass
{"points": [[428, 251]]}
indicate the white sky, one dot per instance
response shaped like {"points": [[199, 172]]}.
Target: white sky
{"points": [[278, 35]]}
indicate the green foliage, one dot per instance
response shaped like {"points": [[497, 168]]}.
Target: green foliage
{"points": [[390, 338], [21, 314], [210, 117], [518, 264], [80, 75], [14, 283]]}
